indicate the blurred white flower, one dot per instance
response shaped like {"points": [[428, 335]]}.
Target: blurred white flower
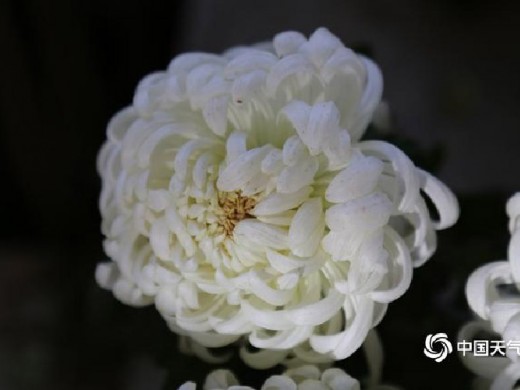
{"points": [[498, 311], [239, 198], [306, 377]]}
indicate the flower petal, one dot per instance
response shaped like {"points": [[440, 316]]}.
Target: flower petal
{"points": [[215, 114], [294, 178], [343, 344], [363, 214], [288, 42], [359, 178], [442, 198], [239, 171], [276, 202], [481, 286], [261, 234], [307, 227], [404, 170], [400, 274]]}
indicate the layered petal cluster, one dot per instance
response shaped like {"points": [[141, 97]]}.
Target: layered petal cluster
{"points": [[239, 198], [493, 293], [306, 377]]}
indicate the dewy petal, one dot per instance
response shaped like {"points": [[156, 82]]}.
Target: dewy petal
{"points": [[307, 227], [362, 214], [359, 178]]}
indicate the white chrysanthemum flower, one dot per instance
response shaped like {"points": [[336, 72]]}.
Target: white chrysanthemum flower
{"points": [[239, 198], [499, 312], [306, 377]]}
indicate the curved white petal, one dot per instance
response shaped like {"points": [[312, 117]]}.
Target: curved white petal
{"points": [[481, 287], [442, 198], [357, 179], [307, 227]]}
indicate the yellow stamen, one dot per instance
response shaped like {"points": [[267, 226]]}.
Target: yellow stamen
{"points": [[234, 207]]}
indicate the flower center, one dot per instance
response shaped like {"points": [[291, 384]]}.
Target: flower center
{"points": [[234, 207]]}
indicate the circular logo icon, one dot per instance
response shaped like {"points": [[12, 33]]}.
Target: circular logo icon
{"points": [[438, 339]]}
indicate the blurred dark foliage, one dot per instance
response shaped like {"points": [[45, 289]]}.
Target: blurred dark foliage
{"points": [[66, 68]]}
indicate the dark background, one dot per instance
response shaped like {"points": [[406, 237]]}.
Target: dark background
{"points": [[452, 79]]}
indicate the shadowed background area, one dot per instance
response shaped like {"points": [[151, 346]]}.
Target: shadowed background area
{"points": [[451, 80]]}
